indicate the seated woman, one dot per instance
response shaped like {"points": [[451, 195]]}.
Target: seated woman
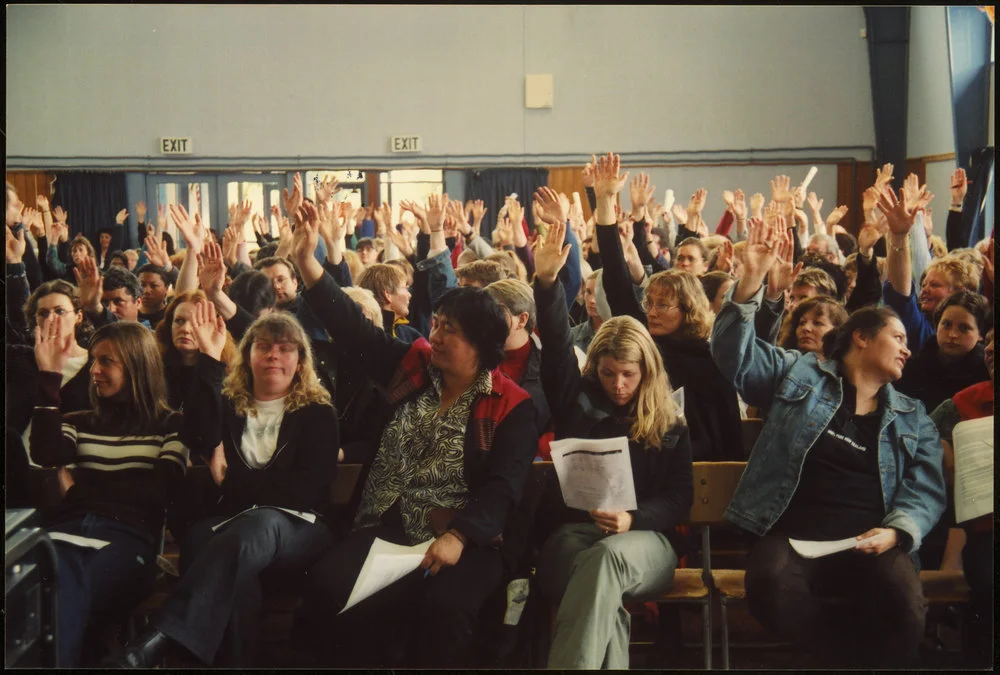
{"points": [[809, 322], [841, 455], [277, 460], [121, 460], [973, 403], [677, 314], [593, 562], [953, 360], [450, 467], [175, 336]]}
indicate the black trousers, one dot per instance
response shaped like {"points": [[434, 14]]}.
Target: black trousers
{"points": [[977, 561], [417, 622], [854, 609], [215, 609]]}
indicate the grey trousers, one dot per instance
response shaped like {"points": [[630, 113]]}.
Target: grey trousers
{"points": [[591, 575]]}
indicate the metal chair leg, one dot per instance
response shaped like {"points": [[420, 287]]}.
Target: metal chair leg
{"points": [[706, 614], [723, 614]]}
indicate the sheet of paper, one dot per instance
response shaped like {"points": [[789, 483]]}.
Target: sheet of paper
{"points": [[595, 473], [308, 517], [818, 549], [679, 400], [973, 443], [386, 564], [77, 540]]}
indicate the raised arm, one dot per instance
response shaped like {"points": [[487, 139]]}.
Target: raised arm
{"points": [[53, 439], [354, 336], [195, 240]]}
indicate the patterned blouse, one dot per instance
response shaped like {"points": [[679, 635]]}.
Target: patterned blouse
{"points": [[421, 460]]}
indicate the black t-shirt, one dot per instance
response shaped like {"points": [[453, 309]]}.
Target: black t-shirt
{"points": [[839, 494], [153, 318]]}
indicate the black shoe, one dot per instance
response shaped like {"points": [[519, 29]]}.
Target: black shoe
{"points": [[146, 652]]}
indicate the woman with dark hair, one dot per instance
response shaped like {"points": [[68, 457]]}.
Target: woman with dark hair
{"points": [[716, 284], [592, 560], [126, 458], [253, 291], [842, 456], [274, 466], [450, 468], [953, 360], [809, 322], [678, 315]]}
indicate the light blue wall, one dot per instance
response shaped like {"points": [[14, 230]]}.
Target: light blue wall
{"points": [[283, 83]]}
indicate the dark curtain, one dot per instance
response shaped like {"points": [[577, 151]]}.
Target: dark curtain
{"points": [[888, 58], [980, 185], [494, 185], [92, 199]]}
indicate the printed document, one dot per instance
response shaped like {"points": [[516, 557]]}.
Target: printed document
{"points": [[973, 443], [386, 564], [818, 549], [595, 473]]}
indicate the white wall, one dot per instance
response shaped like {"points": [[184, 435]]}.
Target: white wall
{"points": [[930, 123], [283, 83]]}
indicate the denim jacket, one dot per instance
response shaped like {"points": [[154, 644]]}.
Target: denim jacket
{"points": [[803, 394]]}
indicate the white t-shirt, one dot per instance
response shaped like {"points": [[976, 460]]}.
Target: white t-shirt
{"points": [[74, 365], [260, 437]]}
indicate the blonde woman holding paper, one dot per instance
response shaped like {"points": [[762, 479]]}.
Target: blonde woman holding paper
{"points": [[592, 563]]}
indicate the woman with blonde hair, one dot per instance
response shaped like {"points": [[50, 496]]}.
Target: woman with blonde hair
{"points": [[275, 464], [622, 391], [679, 317]]}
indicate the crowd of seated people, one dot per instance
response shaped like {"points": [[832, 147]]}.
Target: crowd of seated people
{"points": [[444, 360]]}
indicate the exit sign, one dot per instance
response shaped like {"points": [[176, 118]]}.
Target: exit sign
{"points": [[180, 145], [404, 144]]}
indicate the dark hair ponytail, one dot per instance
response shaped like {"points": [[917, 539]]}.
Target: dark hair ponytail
{"points": [[868, 320]]}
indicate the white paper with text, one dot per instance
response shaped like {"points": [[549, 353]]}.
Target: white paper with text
{"points": [[595, 473], [973, 443]]}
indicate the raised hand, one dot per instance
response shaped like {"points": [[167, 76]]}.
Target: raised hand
{"points": [[306, 234], [836, 216], [899, 213], [867, 238], [325, 188], [140, 211], [725, 257], [91, 284], [209, 329], [212, 270], [588, 175], [60, 214], [478, 213], [757, 205], [189, 229], [762, 247], [739, 206], [400, 241], [53, 345], [42, 202], [16, 246], [515, 214], [230, 243], [551, 254], [550, 206], [293, 200], [781, 190], [782, 273], [959, 187], [815, 204], [697, 203], [156, 250], [883, 176], [680, 214], [608, 179], [435, 211], [457, 213], [121, 216], [640, 192], [916, 194], [32, 219]]}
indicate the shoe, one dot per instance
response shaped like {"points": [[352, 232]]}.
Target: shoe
{"points": [[146, 652]]}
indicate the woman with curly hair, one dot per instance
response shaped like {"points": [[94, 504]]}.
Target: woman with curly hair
{"points": [[810, 320], [679, 317], [178, 344], [277, 459]]}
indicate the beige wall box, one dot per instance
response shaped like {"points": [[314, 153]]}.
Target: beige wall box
{"points": [[176, 145], [405, 144], [537, 91]]}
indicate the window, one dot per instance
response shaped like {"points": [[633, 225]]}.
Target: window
{"points": [[351, 184], [410, 184]]}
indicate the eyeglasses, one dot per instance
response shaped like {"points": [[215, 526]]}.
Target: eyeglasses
{"points": [[43, 314], [658, 306]]}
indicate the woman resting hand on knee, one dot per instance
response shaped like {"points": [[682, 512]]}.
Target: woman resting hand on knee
{"points": [[842, 455], [269, 434], [591, 563]]}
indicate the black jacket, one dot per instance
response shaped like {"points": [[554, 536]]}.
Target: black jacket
{"points": [[302, 469], [580, 409], [932, 381], [710, 401]]}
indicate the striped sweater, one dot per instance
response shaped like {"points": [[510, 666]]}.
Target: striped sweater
{"points": [[126, 477]]}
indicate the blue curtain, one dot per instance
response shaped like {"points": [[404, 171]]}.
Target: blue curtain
{"points": [[92, 198], [969, 38], [493, 185]]}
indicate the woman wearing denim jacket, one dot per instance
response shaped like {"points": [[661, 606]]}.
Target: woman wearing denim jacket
{"points": [[842, 455]]}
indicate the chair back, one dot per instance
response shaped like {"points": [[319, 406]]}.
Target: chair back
{"points": [[714, 485]]}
